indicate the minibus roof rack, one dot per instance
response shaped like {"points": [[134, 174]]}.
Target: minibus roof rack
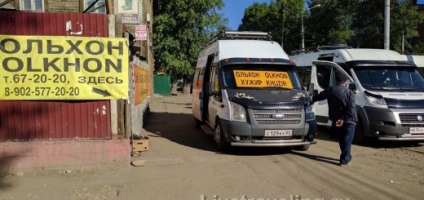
{"points": [[332, 47], [242, 35], [321, 48]]}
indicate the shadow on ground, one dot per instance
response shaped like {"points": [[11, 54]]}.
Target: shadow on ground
{"points": [[317, 158], [5, 163], [259, 151], [179, 128], [324, 133]]}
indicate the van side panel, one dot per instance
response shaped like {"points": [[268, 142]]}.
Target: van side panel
{"points": [[399, 118]]}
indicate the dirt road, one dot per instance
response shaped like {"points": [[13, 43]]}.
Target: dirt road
{"points": [[182, 164]]}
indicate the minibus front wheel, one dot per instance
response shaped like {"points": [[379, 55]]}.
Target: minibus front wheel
{"points": [[219, 137], [359, 132]]}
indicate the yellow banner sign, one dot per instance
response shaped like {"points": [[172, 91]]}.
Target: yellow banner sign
{"points": [[63, 68], [261, 79], [141, 77]]}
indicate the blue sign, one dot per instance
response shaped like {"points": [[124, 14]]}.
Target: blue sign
{"points": [[419, 2]]}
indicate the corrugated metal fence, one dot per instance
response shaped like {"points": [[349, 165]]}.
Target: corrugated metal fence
{"points": [[44, 120]]}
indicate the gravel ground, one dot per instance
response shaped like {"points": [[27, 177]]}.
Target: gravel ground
{"points": [[182, 163]]}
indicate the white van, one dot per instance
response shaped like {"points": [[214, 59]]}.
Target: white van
{"points": [[246, 93], [417, 60], [389, 90]]}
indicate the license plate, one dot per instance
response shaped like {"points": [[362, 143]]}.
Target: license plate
{"points": [[416, 130], [278, 133]]}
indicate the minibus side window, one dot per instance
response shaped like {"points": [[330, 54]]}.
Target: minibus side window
{"points": [[323, 76], [199, 78], [214, 79], [196, 78], [345, 68], [304, 73]]}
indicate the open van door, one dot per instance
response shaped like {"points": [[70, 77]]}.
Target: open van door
{"points": [[323, 75], [200, 88]]}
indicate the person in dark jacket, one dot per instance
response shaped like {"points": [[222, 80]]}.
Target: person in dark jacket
{"points": [[342, 113]]}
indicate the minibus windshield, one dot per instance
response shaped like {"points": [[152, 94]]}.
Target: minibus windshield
{"points": [[260, 77]]}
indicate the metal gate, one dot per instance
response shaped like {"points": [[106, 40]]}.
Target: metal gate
{"points": [[45, 120]]}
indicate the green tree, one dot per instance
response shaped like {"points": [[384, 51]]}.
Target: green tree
{"points": [[255, 18], [330, 23], [360, 23], [405, 19], [370, 24], [281, 18], [181, 29]]}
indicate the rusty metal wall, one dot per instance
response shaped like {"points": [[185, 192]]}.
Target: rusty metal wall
{"points": [[33, 23], [46, 120]]}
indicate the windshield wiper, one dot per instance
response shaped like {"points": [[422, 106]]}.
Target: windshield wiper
{"points": [[372, 87], [382, 88], [395, 89], [411, 89]]}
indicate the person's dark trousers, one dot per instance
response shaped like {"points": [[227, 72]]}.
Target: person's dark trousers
{"points": [[346, 134], [335, 132]]}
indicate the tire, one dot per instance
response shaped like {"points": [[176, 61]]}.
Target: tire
{"points": [[302, 148], [196, 122], [359, 137], [219, 137]]}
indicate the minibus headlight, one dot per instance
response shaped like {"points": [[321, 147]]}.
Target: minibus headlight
{"points": [[238, 113], [310, 115], [375, 100]]}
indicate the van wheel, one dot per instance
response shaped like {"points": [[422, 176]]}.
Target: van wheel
{"points": [[359, 133], [219, 138], [302, 148], [197, 122]]}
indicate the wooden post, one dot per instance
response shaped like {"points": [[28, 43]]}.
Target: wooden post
{"points": [[109, 7]]}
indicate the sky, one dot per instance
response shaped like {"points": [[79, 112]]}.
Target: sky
{"points": [[234, 10]]}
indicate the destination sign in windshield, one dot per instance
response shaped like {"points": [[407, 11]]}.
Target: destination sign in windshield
{"points": [[262, 79]]}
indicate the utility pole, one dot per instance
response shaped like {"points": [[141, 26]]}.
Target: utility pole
{"points": [[302, 33], [302, 28], [282, 34], [387, 25]]}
